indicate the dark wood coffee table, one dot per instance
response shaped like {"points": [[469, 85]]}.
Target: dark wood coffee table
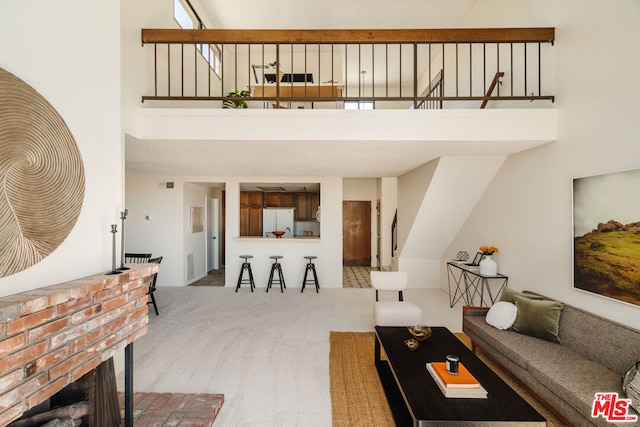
{"points": [[416, 400]]}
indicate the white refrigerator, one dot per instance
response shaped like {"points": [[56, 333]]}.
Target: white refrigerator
{"points": [[278, 219]]}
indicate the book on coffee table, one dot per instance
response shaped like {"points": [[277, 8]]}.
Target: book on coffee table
{"points": [[463, 379], [463, 385]]}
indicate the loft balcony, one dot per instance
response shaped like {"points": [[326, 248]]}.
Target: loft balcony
{"points": [[343, 69]]}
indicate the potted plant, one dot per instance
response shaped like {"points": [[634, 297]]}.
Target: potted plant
{"points": [[239, 103]]}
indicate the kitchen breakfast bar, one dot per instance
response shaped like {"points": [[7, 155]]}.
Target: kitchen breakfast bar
{"points": [[262, 252]]}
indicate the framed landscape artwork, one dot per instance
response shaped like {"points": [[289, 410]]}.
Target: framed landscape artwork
{"points": [[606, 235]]}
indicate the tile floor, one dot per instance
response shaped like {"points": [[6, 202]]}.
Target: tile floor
{"points": [[356, 276], [352, 277]]}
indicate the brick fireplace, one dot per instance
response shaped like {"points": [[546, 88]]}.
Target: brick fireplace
{"points": [[52, 336]]}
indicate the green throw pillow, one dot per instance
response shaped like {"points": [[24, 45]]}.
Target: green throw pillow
{"points": [[538, 318], [508, 294]]}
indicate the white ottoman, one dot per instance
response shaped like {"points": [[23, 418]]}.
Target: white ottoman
{"points": [[396, 313]]}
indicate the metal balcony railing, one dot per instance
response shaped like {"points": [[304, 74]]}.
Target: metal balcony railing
{"points": [[350, 68]]}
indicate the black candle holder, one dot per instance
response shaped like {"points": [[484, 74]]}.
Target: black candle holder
{"points": [[123, 217], [114, 230]]}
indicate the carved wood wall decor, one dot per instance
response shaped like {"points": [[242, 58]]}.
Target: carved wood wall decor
{"points": [[41, 177]]}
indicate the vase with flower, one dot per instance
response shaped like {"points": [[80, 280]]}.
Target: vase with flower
{"points": [[488, 267]]}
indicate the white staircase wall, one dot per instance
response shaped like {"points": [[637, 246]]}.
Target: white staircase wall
{"points": [[434, 201]]}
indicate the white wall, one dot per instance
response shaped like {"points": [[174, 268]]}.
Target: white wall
{"points": [[163, 233], [69, 51], [365, 189], [527, 211]]}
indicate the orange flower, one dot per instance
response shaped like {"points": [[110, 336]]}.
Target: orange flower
{"points": [[488, 250]]}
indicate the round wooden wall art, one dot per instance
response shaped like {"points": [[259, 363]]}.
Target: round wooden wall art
{"points": [[41, 177]]}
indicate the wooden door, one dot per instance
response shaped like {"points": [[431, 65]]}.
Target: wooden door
{"points": [[356, 233]]}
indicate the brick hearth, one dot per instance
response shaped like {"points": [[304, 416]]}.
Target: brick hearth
{"points": [[175, 409], [52, 336]]}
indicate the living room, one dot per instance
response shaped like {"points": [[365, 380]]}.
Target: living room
{"points": [[526, 209]]}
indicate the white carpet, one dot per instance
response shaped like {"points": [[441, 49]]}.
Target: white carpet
{"points": [[268, 353]]}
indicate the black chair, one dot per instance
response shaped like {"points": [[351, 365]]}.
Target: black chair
{"points": [[152, 284], [131, 258]]}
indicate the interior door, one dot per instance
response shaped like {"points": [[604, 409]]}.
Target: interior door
{"points": [[356, 232]]}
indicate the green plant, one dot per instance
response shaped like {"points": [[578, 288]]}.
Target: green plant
{"points": [[236, 103]]}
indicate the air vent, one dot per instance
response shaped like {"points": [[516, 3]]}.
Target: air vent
{"points": [[190, 268]]}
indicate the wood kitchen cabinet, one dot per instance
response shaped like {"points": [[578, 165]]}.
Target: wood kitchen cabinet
{"points": [[302, 206], [279, 200], [306, 205], [251, 203]]}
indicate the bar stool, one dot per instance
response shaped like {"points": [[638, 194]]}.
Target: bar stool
{"points": [[279, 280], [246, 266], [311, 281]]}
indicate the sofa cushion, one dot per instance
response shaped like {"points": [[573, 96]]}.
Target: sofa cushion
{"points": [[502, 315], [507, 295], [518, 347], [538, 318], [609, 343], [574, 378]]}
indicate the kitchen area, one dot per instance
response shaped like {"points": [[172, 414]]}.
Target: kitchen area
{"points": [[284, 219], [287, 211]]}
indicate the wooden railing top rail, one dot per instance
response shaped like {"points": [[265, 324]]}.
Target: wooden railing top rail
{"points": [[453, 35]]}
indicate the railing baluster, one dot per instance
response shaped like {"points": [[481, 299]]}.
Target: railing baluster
{"points": [[512, 73], [415, 75], [539, 71], [526, 90], [458, 71], [386, 69], [155, 69], [484, 68]]}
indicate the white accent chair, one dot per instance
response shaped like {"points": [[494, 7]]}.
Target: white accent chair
{"points": [[393, 313]]}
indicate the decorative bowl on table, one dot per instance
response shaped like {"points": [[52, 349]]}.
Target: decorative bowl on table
{"points": [[278, 234], [411, 344], [420, 332]]}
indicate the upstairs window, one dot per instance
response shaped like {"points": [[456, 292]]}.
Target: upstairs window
{"points": [[187, 19], [184, 15]]}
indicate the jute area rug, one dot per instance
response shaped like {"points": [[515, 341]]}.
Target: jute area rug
{"points": [[357, 397]]}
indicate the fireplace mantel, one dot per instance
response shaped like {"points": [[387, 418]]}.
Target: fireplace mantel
{"points": [[52, 336]]}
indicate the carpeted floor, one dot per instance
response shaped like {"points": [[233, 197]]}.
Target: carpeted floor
{"points": [[357, 397]]}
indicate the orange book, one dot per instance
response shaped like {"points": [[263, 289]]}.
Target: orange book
{"points": [[464, 379]]}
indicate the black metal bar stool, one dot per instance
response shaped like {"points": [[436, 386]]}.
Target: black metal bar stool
{"points": [[279, 280], [311, 267], [246, 266]]}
